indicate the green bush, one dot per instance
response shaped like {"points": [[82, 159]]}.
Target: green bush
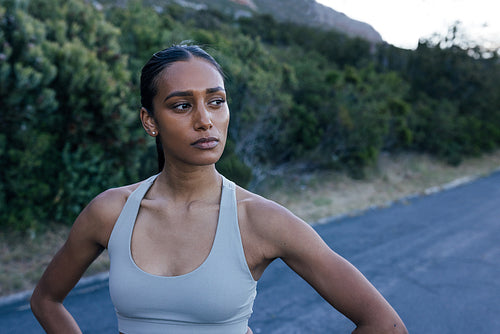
{"points": [[232, 167], [65, 133], [69, 76]]}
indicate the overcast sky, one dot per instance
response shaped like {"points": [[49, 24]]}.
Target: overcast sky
{"points": [[403, 22]]}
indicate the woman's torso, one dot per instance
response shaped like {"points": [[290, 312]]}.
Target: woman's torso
{"points": [[216, 287]]}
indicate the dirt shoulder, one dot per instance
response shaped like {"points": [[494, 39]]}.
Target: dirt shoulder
{"points": [[313, 197], [317, 196]]}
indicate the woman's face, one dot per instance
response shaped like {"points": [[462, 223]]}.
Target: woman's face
{"points": [[191, 112]]}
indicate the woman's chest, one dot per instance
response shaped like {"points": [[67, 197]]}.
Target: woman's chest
{"points": [[173, 241]]}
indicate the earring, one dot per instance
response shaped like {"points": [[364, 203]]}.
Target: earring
{"points": [[153, 133]]}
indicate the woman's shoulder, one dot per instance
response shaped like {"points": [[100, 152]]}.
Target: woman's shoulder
{"points": [[272, 227], [254, 204], [113, 198], [263, 214], [105, 208]]}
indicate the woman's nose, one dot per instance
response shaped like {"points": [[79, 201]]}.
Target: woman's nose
{"points": [[203, 120]]}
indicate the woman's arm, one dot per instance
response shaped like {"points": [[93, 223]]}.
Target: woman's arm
{"points": [[86, 241], [334, 278], [341, 284]]}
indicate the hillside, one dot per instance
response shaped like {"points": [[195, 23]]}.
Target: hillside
{"points": [[311, 110], [309, 12], [303, 12], [301, 98]]}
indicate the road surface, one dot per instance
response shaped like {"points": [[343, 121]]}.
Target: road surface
{"points": [[436, 259]]}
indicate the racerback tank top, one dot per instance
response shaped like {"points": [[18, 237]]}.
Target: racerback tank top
{"points": [[217, 297]]}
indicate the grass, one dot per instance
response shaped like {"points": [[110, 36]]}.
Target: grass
{"points": [[312, 196], [318, 195], [23, 258]]}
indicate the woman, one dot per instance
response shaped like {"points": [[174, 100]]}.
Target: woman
{"points": [[187, 246]]}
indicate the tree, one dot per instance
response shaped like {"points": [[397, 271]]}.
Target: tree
{"points": [[26, 146], [66, 136]]}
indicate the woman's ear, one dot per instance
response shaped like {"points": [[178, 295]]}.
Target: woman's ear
{"points": [[148, 122]]}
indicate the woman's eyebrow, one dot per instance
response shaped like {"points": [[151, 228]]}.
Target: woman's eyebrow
{"points": [[178, 93], [190, 93], [215, 89]]}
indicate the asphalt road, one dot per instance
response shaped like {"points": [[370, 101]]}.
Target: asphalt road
{"points": [[436, 258]]}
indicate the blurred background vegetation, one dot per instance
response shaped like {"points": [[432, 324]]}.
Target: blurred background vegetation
{"points": [[299, 96]]}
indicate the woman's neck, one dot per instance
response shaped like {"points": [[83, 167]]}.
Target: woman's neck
{"points": [[189, 183]]}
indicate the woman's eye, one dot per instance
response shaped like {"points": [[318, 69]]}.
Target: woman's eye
{"points": [[217, 102], [181, 106]]}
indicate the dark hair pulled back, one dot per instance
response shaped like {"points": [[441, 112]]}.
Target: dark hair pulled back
{"points": [[155, 66]]}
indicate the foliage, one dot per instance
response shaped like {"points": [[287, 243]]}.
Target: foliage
{"points": [[69, 76], [233, 167], [66, 130], [453, 86]]}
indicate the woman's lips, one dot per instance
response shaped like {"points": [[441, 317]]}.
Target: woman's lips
{"points": [[206, 143]]}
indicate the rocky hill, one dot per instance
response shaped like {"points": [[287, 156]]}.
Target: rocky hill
{"points": [[309, 12], [305, 12]]}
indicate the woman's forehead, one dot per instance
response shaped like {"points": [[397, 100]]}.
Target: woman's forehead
{"points": [[193, 74]]}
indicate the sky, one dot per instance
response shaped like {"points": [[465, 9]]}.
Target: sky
{"points": [[403, 22]]}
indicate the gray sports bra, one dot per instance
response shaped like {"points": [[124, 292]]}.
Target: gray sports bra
{"points": [[217, 297]]}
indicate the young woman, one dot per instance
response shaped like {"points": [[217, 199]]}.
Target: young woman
{"points": [[187, 246]]}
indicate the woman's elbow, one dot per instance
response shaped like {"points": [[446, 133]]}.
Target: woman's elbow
{"points": [[36, 302], [40, 303]]}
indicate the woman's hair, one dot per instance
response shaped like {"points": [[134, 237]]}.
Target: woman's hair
{"points": [[154, 67]]}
